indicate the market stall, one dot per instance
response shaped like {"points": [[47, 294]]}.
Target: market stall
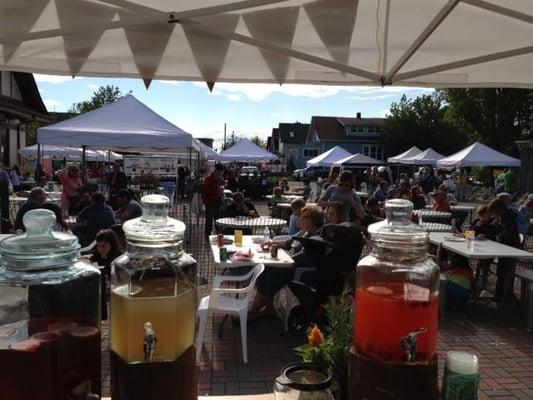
{"points": [[426, 157], [477, 155], [328, 158], [69, 153], [413, 151], [246, 150]]}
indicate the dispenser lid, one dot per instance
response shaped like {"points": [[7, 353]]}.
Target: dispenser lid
{"points": [[40, 247], [154, 226], [398, 227]]}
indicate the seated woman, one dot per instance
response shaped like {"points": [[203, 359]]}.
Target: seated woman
{"points": [[483, 225], [441, 202], [239, 207], [106, 250], [417, 197], [274, 279]]}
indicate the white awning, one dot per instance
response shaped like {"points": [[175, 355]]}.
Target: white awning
{"points": [[433, 43], [70, 153], [246, 150], [328, 158], [413, 151], [358, 159], [125, 125], [477, 155], [427, 157]]}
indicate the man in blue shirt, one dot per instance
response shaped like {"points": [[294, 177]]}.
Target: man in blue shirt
{"points": [[93, 219], [381, 193]]}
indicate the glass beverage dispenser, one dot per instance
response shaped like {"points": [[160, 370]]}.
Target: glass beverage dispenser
{"points": [[49, 316], [153, 310], [396, 313]]}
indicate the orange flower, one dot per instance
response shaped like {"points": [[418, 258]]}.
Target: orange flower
{"points": [[315, 337]]}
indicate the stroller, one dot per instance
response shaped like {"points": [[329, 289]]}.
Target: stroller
{"points": [[335, 253]]}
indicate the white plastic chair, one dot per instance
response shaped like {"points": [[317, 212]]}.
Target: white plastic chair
{"points": [[223, 301]]}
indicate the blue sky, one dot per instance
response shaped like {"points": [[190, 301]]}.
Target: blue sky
{"points": [[248, 109]]}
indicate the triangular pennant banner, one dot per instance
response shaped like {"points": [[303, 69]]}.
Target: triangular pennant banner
{"points": [[147, 42], [147, 83], [334, 21], [210, 50], [79, 47], [19, 17], [274, 26]]}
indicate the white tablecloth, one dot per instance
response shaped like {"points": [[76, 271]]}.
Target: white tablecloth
{"points": [[284, 260], [482, 250]]}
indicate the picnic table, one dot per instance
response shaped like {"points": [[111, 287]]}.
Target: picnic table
{"points": [[436, 227], [283, 260], [480, 250], [251, 223], [288, 197], [433, 216]]}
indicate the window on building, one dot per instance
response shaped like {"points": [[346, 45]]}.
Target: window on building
{"points": [[374, 151], [310, 153], [356, 130], [291, 134]]}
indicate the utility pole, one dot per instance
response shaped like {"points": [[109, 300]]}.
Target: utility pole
{"points": [[224, 144]]}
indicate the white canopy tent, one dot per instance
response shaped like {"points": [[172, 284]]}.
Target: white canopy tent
{"points": [[427, 157], [433, 43], [358, 160], [246, 150], [477, 155], [328, 158], [413, 151], [70, 153], [126, 125], [210, 154]]}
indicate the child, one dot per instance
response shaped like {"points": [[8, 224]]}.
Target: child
{"points": [[294, 221], [106, 250], [277, 197]]}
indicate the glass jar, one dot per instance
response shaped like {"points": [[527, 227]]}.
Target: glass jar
{"points": [[301, 381], [397, 292], [49, 315], [153, 307]]}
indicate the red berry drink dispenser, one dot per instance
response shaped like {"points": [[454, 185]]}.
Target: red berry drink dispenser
{"points": [[396, 313], [49, 316]]}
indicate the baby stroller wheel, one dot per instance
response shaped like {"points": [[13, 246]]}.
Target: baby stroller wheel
{"points": [[296, 322]]}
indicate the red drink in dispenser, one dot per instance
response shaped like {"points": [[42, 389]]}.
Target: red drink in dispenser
{"points": [[396, 313], [402, 310]]}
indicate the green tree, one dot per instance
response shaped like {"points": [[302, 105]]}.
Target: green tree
{"points": [[420, 122], [104, 95], [258, 140], [496, 117]]}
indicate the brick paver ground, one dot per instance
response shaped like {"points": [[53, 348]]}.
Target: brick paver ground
{"points": [[505, 350]]}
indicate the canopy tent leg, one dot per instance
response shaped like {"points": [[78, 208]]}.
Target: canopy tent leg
{"points": [[37, 169], [83, 166]]}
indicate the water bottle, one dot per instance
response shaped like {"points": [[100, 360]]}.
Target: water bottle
{"points": [[266, 234]]}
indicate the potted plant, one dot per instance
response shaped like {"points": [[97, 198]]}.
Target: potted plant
{"points": [[329, 347]]}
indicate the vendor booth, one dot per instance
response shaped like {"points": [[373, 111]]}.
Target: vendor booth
{"points": [[427, 157], [477, 155], [328, 158]]}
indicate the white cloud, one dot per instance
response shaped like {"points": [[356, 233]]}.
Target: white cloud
{"points": [[383, 113], [54, 79], [53, 105], [170, 82], [259, 91], [234, 97], [373, 98], [92, 86]]}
